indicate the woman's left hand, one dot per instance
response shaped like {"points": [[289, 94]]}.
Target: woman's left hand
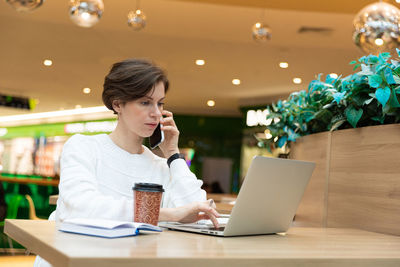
{"points": [[171, 134]]}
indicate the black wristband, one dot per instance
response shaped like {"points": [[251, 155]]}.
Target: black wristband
{"points": [[174, 157]]}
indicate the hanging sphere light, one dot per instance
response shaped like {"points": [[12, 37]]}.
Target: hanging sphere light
{"points": [[25, 5], [137, 19], [86, 13], [261, 32], [376, 28]]}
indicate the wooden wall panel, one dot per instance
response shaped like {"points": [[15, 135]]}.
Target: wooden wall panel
{"points": [[312, 148], [364, 179]]}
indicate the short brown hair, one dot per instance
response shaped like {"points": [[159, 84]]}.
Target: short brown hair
{"points": [[131, 79]]}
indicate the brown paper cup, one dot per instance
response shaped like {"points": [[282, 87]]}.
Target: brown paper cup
{"points": [[147, 201]]}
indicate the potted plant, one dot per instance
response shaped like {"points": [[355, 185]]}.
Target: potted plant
{"points": [[357, 178]]}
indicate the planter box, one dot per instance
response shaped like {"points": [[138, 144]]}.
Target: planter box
{"points": [[356, 182]]}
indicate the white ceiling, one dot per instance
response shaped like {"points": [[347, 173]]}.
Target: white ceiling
{"points": [[177, 33]]}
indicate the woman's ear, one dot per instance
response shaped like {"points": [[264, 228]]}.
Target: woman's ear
{"points": [[116, 104]]}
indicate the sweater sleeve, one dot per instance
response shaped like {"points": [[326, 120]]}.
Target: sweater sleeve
{"points": [[184, 187], [79, 194]]}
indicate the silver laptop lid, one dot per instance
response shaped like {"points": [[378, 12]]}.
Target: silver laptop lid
{"points": [[269, 196]]}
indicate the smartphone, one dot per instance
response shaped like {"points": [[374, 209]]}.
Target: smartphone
{"points": [[157, 137]]}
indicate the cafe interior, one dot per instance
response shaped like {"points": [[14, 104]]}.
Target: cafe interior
{"points": [[241, 73]]}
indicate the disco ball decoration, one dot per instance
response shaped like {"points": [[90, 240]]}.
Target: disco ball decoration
{"points": [[137, 19], [376, 28], [25, 5], [86, 13], [261, 32]]}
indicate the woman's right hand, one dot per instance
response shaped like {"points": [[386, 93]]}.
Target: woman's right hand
{"points": [[191, 213]]}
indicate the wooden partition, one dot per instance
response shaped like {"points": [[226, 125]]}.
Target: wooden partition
{"points": [[357, 179]]}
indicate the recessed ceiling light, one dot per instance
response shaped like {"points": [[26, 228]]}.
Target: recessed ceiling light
{"points": [[236, 81], [284, 65], [200, 62], [297, 80], [47, 62], [211, 103], [378, 41], [78, 106], [333, 75], [86, 90]]}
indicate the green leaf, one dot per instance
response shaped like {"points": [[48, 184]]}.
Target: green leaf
{"points": [[356, 66], [385, 55], [353, 115], [381, 119], [372, 59], [337, 125], [394, 102], [365, 70], [338, 97], [374, 81], [382, 95], [380, 67], [395, 63], [389, 76], [368, 101], [398, 51], [363, 59], [396, 79], [282, 141], [353, 62]]}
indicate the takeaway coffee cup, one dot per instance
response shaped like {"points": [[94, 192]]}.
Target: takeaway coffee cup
{"points": [[147, 199]]}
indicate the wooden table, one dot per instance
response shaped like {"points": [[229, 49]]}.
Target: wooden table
{"points": [[299, 247], [44, 182]]}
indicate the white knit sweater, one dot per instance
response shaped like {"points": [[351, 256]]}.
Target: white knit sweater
{"points": [[97, 178]]}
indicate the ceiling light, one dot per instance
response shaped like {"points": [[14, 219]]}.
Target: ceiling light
{"points": [[297, 80], [333, 75], [24, 5], [47, 62], [200, 62], [86, 13], [86, 90], [378, 41], [284, 65], [211, 103], [78, 106], [236, 81], [261, 32], [51, 114]]}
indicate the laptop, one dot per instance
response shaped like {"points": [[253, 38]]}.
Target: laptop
{"points": [[267, 201]]}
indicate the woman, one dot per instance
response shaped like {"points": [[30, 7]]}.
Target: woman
{"points": [[98, 172]]}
